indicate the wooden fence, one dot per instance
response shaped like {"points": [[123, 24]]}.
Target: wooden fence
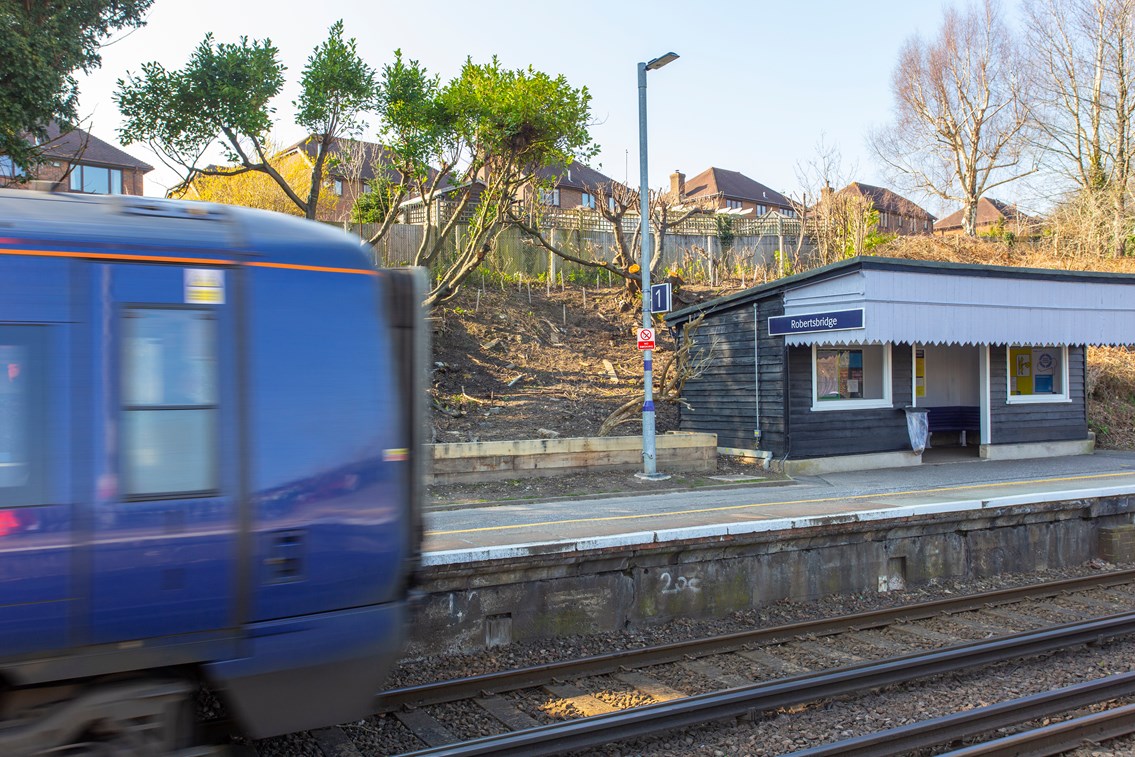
{"points": [[694, 248]]}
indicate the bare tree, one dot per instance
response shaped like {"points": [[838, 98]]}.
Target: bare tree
{"points": [[839, 223], [617, 204], [1082, 55], [960, 117]]}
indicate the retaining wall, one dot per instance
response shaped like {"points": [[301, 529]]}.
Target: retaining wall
{"points": [[551, 590]]}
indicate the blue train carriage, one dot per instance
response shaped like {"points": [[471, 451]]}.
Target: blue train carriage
{"points": [[210, 421]]}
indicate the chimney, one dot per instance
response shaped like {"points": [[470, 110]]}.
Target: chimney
{"points": [[678, 185]]}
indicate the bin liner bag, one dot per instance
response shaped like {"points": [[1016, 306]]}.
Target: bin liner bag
{"points": [[918, 426]]}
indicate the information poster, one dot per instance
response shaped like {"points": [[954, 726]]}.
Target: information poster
{"points": [[920, 373]]}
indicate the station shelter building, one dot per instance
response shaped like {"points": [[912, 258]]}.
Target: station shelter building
{"points": [[823, 371]]}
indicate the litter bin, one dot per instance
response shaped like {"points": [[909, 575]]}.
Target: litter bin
{"points": [[918, 427]]}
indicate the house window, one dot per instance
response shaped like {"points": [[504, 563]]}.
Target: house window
{"points": [[587, 201], [735, 204], [337, 187], [788, 212], [550, 197], [169, 402], [96, 180], [8, 168], [853, 377], [611, 204], [1037, 374]]}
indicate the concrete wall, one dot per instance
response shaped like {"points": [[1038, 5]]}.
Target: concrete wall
{"points": [[491, 461], [546, 593]]}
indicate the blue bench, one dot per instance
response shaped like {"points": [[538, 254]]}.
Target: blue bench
{"points": [[954, 418]]}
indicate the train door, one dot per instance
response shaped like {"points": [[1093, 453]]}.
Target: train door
{"points": [[37, 592], [164, 521]]}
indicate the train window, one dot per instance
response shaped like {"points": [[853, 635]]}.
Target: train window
{"points": [[169, 403], [22, 415]]}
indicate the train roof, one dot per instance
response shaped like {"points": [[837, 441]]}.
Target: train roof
{"points": [[159, 227]]}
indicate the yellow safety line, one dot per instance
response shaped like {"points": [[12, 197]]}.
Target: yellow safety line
{"points": [[771, 504]]}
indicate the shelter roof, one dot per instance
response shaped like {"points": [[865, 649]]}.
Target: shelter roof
{"points": [[929, 302]]}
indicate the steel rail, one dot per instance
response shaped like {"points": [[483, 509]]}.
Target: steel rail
{"points": [[652, 719], [462, 688], [969, 723], [1058, 737]]}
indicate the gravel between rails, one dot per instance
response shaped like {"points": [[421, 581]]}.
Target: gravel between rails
{"points": [[765, 735]]}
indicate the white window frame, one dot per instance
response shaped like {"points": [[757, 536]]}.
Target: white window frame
{"points": [[587, 200], [854, 404], [1034, 399]]}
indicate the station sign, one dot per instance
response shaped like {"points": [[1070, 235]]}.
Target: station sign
{"points": [[646, 339], [806, 323], [661, 299]]}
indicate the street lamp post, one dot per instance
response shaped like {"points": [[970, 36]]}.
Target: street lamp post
{"points": [[649, 460]]}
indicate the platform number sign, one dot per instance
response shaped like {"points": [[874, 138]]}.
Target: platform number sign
{"points": [[646, 339], [660, 298]]}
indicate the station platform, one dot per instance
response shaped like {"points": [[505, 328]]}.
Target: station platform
{"points": [[492, 575], [510, 530]]}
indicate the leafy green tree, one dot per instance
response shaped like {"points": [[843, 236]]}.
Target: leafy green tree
{"points": [[488, 130], [223, 98], [41, 46]]}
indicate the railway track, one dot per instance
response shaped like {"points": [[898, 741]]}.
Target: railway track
{"points": [[584, 703]]}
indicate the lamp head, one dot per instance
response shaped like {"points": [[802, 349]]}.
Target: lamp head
{"points": [[661, 61]]}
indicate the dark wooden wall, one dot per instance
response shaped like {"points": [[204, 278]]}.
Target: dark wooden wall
{"points": [[847, 432], [1039, 422], [723, 398]]}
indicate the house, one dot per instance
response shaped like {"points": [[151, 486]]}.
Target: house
{"points": [[993, 216], [351, 166], [78, 161], [897, 215], [575, 186], [729, 191]]}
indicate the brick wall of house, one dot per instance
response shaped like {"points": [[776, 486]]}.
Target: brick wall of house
{"points": [[54, 176]]}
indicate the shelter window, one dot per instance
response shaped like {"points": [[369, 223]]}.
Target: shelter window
{"points": [[169, 403], [1037, 374], [851, 377]]}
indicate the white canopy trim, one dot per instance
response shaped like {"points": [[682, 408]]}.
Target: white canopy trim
{"points": [[932, 308]]}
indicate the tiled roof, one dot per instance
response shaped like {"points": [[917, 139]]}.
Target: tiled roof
{"points": [[886, 201], [81, 145], [733, 185], [371, 153], [989, 211], [575, 176]]}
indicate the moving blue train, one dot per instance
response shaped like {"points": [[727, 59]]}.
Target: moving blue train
{"points": [[210, 421]]}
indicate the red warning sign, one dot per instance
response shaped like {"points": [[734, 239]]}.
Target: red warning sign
{"points": [[646, 339]]}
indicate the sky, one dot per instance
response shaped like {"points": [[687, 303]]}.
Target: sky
{"points": [[757, 87]]}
